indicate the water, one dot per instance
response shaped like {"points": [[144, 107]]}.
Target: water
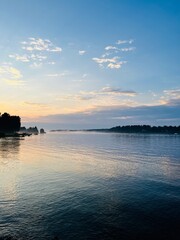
{"points": [[75, 185]]}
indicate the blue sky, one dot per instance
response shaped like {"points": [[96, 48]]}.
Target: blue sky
{"points": [[88, 63]]}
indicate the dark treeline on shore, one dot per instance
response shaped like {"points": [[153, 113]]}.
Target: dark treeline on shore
{"points": [[33, 130], [9, 123], [146, 129], [141, 129], [10, 126], [133, 129]]}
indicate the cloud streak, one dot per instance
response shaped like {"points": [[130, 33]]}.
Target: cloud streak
{"points": [[82, 52], [34, 104], [11, 75], [171, 97], [36, 52], [126, 49], [100, 95], [125, 41], [55, 75], [118, 91], [115, 116], [110, 48], [39, 44], [113, 62], [28, 58]]}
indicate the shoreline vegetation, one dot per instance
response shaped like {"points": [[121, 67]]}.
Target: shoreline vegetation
{"points": [[10, 126], [133, 129]]}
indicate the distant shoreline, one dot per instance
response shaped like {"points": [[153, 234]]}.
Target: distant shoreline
{"points": [[131, 129]]}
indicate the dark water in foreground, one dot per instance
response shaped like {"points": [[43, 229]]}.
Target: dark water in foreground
{"points": [[90, 186]]}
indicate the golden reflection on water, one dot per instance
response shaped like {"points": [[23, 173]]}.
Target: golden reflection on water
{"points": [[38, 158], [9, 151], [45, 179], [38, 152], [83, 160], [9, 147]]}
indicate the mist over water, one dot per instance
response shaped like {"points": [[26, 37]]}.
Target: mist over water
{"points": [[80, 185]]}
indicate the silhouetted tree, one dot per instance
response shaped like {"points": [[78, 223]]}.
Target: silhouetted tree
{"points": [[9, 123]]}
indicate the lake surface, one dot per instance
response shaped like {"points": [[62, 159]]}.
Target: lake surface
{"points": [[80, 185]]}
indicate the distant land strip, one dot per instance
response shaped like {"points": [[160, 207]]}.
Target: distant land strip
{"points": [[133, 129]]}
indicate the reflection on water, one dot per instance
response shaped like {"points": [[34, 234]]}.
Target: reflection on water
{"points": [[9, 157], [9, 147], [90, 186]]}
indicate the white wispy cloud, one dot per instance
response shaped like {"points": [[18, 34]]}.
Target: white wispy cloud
{"points": [[125, 41], [101, 94], [36, 65], [170, 97], [128, 49], [105, 60], [28, 58], [82, 52], [173, 92], [23, 58], [36, 52], [110, 58], [11, 75], [116, 65], [112, 63], [11, 72], [39, 44], [111, 48], [55, 75], [106, 54]]}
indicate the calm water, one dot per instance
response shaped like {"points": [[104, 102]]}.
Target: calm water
{"points": [[90, 186]]}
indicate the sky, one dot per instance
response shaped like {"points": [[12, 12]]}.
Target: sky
{"points": [[78, 64]]}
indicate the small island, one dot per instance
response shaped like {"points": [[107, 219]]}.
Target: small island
{"points": [[42, 131]]}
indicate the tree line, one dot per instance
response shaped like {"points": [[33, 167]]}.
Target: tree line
{"points": [[146, 129], [9, 123]]}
